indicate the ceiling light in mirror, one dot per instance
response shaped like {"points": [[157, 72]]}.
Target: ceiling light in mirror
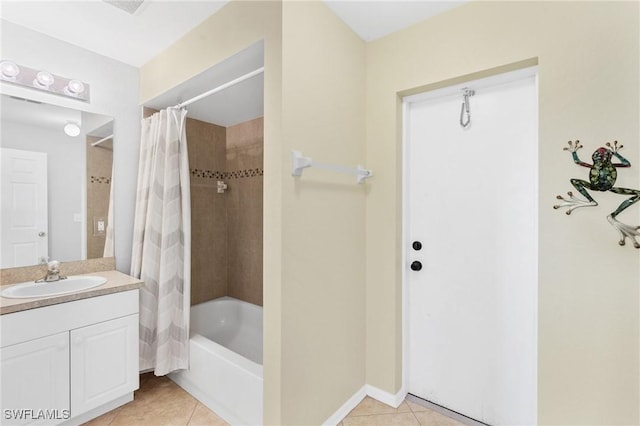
{"points": [[72, 129]]}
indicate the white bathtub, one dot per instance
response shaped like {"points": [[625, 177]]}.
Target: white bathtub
{"points": [[225, 368]]}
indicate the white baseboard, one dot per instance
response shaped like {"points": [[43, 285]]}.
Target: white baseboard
{"points": [[393, 400], [367, 390], [346, 408]]}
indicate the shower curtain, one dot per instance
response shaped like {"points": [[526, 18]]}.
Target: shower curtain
{"points": [[161, 255]]}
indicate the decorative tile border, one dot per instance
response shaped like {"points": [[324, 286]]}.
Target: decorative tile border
{"points": [[245, 173], [100, 179], [214, 174], [207, 174]]}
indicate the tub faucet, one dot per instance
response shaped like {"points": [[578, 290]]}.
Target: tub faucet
{"points": [[53, 273]]}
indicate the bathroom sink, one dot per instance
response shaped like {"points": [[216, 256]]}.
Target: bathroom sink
{"points": [[54, 288]]}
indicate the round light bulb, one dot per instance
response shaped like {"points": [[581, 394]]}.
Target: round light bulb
{"points": [[44, 79], [9, 70], [74, 88], [72, 129]]}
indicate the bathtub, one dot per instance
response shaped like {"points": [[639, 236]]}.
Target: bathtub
{"points": [[225, 359]]}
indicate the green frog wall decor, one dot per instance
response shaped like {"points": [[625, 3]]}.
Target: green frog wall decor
{"points": [[602, 177]]}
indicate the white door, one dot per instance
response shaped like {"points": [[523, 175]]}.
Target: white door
{"points": [[104, 363], [471, 192], [23, 222], [35, 381]]}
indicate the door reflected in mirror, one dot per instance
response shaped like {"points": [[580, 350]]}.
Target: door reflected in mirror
{"points": [[56, 183]]}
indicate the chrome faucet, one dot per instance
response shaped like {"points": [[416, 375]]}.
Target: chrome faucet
{"points": [[53, 273]]}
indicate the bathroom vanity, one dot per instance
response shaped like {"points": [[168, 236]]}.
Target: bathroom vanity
{"points": [[70, 358]]}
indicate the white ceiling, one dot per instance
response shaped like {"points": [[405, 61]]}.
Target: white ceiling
{"points": [[372, 19], [135, 39], [109, 31]]}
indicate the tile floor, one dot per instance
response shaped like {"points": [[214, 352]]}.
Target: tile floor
{"points": [[373, 413], [160, 402]]}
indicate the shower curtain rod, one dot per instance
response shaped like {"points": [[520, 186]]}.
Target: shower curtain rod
{"points": [[102, 140], [220, 88]]}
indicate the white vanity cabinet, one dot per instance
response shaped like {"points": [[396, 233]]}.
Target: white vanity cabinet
{"points": [[104, 362], [35, 374], [72, 361]]}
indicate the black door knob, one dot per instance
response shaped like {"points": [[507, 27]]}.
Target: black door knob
{"points": [[417, 245], [416, 266]]}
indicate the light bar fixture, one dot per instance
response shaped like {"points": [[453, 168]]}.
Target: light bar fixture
{"points": [[44, 81]]}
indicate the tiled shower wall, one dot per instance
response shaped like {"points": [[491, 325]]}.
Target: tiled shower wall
{"points": [[226, 257], [207, 156], [99, 161], [244, 210]]}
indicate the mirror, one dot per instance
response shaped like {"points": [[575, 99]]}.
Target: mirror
{"points": [[56, 183]]}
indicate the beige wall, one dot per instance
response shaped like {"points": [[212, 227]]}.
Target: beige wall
{"points": [[588, 54], [323, 242]]}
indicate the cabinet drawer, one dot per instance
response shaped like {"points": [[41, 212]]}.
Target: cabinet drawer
{"points": [[35, 323]]}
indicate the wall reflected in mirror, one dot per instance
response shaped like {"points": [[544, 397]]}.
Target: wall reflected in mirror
{"points": [[56, 183]]}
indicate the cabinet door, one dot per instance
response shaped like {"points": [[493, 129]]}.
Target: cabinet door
{"points": [[104, 362], [35, 381]]}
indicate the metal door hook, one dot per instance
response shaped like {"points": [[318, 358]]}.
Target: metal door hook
{"points": [[465, 107]]}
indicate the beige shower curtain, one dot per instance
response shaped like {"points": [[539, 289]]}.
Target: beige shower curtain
{"points": [[161, 254]]}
